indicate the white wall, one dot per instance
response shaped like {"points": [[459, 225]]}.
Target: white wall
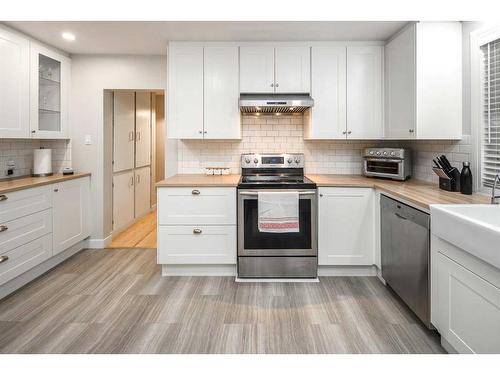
{"points": [[91, 75]]}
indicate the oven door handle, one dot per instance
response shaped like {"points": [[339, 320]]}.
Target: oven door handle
{"points": [[254, 193], [384, 159]]}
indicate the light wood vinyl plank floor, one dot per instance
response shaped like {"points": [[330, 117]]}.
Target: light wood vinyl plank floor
{"points": [[116, 301], [141, 234]]}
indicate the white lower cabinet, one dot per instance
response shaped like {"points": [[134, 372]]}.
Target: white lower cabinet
{"points": [[197, 244], [193, 205], [39, 223], [142, 191], [465, 300], [22, 258], [196, 225], [71, 210], [24, 229], [123, 199], [346, 233]]}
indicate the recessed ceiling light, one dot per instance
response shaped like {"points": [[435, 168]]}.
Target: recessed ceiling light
{"points": [[68, 36]]}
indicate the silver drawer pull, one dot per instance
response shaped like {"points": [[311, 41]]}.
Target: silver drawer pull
{"points": [[197, 231], [3, 228], [4, 258], [3, 198], [195, 192]]}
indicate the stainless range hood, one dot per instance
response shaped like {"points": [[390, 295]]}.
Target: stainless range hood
{"points": [[275, 103]]}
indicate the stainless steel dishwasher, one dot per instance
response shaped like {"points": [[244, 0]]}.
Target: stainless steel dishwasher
{"points": [[405, 254]]}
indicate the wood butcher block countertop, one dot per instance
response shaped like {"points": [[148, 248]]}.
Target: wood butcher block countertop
{"points": [[7, 186], [200, 180], [420, 193]]}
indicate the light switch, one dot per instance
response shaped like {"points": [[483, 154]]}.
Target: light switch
{"points": [[88, 139]]}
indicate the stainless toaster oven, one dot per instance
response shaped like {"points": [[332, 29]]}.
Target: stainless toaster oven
{"points": [[393, 163]]}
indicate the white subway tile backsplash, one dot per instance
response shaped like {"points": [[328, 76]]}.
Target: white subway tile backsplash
{"points": [[268, 133], [20, 151]]}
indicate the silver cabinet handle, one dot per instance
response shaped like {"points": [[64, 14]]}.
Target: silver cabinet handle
{"points": [[349, 132], [137, 178], [321, 195], [411, 130], [4, 258], [3, 228], [132, 181], [138, 136], [344, 132], [56, 190], [272, 84], [205, 132], [130, 136], [195, 192], [197, 231], [3, 198], [277, 85]]}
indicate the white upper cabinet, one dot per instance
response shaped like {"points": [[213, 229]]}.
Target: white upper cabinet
{"points": [[327, 119], [14, 86], [256, 69], [292, 67], [185, 92], [267, 69], [400, 85], [364, 92], [203, 92], [123, 130], [424, 82], [142, 129], [221, 93], [49, 93]]}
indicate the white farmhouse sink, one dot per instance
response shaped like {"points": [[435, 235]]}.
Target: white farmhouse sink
{"points": [[474, 228]]}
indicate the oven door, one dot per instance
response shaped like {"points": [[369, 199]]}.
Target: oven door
{"points": [[391, 168], [252, 242]]}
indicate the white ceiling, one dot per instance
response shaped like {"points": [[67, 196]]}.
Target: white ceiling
{"points": [[140, 37]]}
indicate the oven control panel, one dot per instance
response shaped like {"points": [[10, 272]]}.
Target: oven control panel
{"points": [[272, 161], [393, 153]]}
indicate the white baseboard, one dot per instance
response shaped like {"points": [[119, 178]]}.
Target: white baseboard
{"points": [[99, 243], [25, 278], [198, 270], [347, 271]]}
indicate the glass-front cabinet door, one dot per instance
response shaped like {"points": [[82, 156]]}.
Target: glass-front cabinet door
{"points": [[50, 74]]}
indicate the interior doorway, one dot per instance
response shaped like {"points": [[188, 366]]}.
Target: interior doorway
{"points": [[138, 161]]}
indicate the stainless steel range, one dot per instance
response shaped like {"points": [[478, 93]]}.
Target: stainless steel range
{"points": [[276, 255]]}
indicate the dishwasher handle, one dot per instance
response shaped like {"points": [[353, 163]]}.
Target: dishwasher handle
{"points": [[400, 216]]}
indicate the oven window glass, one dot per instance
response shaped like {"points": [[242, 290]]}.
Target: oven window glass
{"points": [[383, 166], [254, 239]]}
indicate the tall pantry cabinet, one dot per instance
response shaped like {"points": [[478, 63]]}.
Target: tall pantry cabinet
{"points": [[131, 157]]}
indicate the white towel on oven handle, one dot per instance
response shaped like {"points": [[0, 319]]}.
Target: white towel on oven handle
{"points": [[278, 211]]}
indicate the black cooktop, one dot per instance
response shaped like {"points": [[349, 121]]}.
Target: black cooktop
{"points": [[275, 182]]}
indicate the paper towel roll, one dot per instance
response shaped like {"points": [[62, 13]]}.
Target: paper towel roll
{"points": [[42, 162]]}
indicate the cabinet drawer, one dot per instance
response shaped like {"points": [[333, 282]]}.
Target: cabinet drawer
{"points": [[190, 206], [24, 202], [25, 257], [182, 245], [25, 229]]}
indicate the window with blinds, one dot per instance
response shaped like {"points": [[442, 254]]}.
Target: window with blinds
{"points": [[491, 130]]}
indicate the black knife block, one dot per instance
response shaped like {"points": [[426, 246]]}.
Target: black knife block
{"points": [[448, 183]]}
